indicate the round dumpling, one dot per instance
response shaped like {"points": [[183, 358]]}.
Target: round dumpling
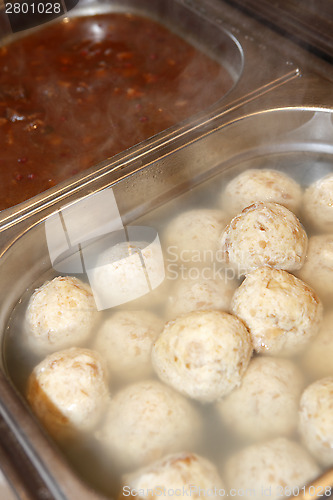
{"points": [[261, 185], [316, 420], [200, 294], [264, 234], [68, 391], [266, 403], [146, 420], [270, 469], [203, 354], [192, 237], [175, 473], [125, 339], [128, 273], [318, 356], [318, 204], [317, 270], [281, 312], [61, 313]]}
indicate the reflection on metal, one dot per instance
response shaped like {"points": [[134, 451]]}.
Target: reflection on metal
{"points": [[26, 14], [319, 129]]}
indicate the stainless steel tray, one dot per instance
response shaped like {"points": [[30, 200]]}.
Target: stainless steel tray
{"points": [[298, 140], [279, 110], [308, 24]]}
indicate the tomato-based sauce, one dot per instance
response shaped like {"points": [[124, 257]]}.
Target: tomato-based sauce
{"points": [[81, 90]]}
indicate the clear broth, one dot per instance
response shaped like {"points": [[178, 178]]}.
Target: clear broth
{"points": [[94, 468]]}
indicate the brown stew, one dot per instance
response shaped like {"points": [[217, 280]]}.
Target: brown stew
{"points": [[83, 89]]}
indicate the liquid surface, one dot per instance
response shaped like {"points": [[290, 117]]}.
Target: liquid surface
{"points": [[79, 91]]}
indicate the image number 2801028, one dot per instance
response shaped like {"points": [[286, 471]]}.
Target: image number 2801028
{"points": [[25, 14]]}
